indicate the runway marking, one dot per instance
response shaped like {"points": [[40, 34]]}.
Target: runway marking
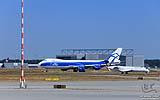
{"points": [[74, 89], [104, 90]]}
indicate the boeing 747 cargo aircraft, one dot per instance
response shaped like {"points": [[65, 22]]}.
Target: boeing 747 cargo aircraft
{"points": [[82, 65]]}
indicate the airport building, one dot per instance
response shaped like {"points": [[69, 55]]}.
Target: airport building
{"points": [[128, 57]]}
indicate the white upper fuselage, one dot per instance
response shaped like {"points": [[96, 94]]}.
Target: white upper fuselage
{"points": [[76, 61]]}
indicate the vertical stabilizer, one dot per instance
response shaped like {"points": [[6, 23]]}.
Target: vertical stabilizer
{"points": [[114, 57]]}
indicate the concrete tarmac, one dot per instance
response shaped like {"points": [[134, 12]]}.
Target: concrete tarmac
{"points": [[82, 90]]}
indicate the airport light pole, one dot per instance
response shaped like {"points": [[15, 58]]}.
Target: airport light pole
{"points": [[22, 78]]}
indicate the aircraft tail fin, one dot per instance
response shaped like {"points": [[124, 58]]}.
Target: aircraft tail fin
{"points": [[114, 57]]}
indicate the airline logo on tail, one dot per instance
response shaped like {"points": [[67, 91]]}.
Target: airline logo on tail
{"points": [[114, 57]]}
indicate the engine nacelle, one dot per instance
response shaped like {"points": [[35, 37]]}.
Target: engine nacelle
{"points": [[81, 69], [97, 67]]}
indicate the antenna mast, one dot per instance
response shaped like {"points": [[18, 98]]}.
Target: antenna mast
{"points": [[22, 78]]}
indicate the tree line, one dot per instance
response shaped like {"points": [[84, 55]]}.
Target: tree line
{"points": [[34, 61], [152, 63]]}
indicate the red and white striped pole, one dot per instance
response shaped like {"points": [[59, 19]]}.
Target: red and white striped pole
{"points": [[22, 78]]}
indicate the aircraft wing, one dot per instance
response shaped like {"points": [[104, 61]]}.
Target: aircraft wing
{"points": [[77, 67], [95, 66]]}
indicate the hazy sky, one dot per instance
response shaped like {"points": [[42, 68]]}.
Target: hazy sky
{"points": [[52, 25]]}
